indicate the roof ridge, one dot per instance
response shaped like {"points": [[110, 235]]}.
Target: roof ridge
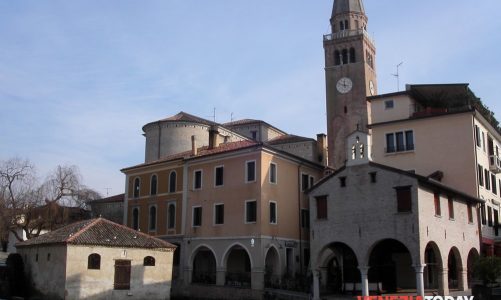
{"points": [[82, 230]]}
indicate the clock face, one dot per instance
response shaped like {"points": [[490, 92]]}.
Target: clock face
{"points": [[344, 85], [372, 89]]}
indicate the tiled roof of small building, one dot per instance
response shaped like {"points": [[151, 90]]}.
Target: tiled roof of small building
{"points": [[182, 116], [98, 232], [289, 138]]}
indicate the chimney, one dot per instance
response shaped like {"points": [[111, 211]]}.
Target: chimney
{"points": [[213, 135], [322, 148], [194, 149]]}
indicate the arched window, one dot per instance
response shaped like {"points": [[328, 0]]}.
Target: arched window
{"points": [[135, 218], [172, 182], [362, 151], [346, 25], [341, 25], [352, 55], [171, 216], [153, 219], [337, 58], [136, 187], [345, 56], [94, 262], [149, 261], [153, 187], [353, 152]]}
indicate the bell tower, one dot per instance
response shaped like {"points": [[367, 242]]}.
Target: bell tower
{"points": [[350, 76]]}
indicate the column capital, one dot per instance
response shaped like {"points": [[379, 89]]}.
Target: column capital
{"points": [[364, 269], [419, 268]]}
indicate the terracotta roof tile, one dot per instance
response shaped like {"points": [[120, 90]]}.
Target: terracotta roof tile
{"points": [[98, 232]]}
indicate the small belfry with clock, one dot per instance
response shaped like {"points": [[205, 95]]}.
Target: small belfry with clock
{"points": [[350, 74]]}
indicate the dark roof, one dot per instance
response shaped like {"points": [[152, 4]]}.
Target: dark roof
{"points": [[112, 199], [98, 232], [184, 117], [289, 138], [347, 6], [422, 179]]}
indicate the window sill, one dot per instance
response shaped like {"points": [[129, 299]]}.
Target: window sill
{"points": [[452, 219], [250, 223], [438, 216], [399, 152]]}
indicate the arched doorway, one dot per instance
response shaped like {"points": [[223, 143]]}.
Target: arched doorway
{"points": [[390, 265], [454, 265], [433, 261], [339, 269], [204, 266], [272, 269], [238, 267], [472, 258]]}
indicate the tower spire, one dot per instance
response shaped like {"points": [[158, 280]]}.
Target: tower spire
{"points": [[347, 6]]}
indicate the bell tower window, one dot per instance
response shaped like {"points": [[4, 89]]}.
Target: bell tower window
{"points": [[337, 58], [345, 56], [346, 25], [341, 25], [352, 55]]}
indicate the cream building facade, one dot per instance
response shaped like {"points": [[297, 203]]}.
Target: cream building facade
{"points": [[98, 259], [234, 205], [383, 229]]}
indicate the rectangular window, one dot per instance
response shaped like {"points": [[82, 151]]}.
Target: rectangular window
{"points": [[482, 214], [494, 186], [197, 216], [451, 208], [404, 199], [305, 218], [470, 214], [322, 207], [219, 174], [390, 143], [389, 104], [400, 141], [342, 181], [438, 211], [483, 141], [409, 140], [254, 135], [197, 180], [250, 211], [122, 275], [489, 216], [250, 171], [496, 222], [305, 180], [477, 136], [219, 214], [273, 213], [487, 181], [480, 175], [273, 173]]}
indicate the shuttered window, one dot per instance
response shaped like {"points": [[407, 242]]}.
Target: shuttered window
{"points": [[322, 207], [404, 199], [122, 275]]}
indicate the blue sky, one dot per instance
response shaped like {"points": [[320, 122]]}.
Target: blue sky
{"points": [[78, 79]]}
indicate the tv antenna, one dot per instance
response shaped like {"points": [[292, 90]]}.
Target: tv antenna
{"points": [[107, 191], [397, 75]]}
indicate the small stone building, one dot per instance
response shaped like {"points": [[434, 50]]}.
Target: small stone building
{"points": [[98, 259]]}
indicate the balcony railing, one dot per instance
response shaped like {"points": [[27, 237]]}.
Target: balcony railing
{"points": [[495, 164], [347, 33]]}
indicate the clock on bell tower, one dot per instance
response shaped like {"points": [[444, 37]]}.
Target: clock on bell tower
{"points": [[350, 75]]}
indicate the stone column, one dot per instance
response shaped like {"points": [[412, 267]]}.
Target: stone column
{"points": [[257, 279], [220, 276], [365, 280], [420, 279], [188, 275], [316, 285], [443, 281], [463, 279]]}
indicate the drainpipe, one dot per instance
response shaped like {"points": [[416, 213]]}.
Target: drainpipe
{"points": [[299, 213]]}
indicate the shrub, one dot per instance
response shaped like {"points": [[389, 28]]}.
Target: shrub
{"points": [[488, 269]]}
